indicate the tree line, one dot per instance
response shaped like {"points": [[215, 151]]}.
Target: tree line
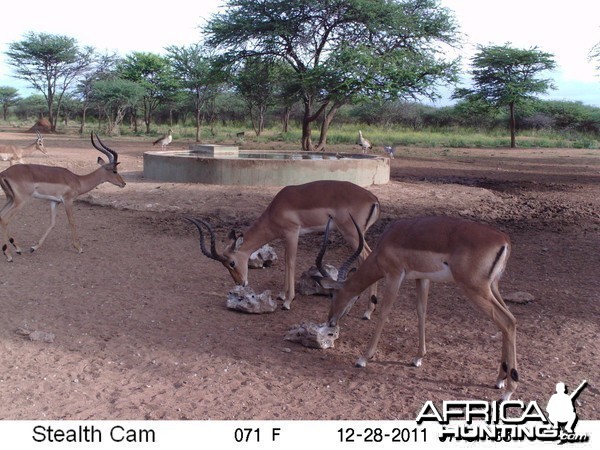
{"points": [[309, 61]]}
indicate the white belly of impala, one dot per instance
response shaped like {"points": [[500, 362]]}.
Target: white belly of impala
{"points": [[444, 275]]}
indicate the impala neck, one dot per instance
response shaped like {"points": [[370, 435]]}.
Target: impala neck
{"points": [[91, 180], [259, 234]]}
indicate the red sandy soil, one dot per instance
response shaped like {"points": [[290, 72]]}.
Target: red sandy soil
{"points": [[142, 332]]}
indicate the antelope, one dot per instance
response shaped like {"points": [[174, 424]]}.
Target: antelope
{"points": [[365, 145], [294, 211], [164, 140], [14, 154], [55, 184], [433, 249]]}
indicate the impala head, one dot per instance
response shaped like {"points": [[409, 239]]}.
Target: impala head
{"points": [[341, 302], [39, 143], [112, 175], [235, 261]]}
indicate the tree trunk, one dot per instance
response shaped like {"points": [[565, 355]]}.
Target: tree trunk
{"points": [[325, 126], [513, 141], [285, 118]]}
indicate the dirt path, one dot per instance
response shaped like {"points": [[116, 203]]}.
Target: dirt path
{"points": [[142, 332]]}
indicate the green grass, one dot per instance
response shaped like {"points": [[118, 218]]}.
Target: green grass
{"points": [[379, 136]]}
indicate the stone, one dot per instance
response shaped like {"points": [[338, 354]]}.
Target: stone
{"points": [[519, 297], [308, 286], [243, 298], [263, 257], [313, 335]]}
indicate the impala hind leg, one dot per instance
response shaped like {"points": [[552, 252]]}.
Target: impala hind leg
{"points": [[422, 296], [9, 210], [486, 301], [291, 250]]}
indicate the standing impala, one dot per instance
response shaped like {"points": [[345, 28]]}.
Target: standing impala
{"points": [[55, 184], [438, 249], [14, 154], [294, 211]]}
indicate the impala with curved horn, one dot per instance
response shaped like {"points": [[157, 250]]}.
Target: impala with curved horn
{"points": [[55, 184], [438, 249], [14, 154], [294, 211]]}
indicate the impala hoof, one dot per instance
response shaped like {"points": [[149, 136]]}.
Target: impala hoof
{"points": [[362, 362], [416, 362]]}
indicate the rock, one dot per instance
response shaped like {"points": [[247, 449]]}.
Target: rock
{"points": [[36, 335], [519, 297], [313, 335], [308, 286], [263, 257], [246, 300]]}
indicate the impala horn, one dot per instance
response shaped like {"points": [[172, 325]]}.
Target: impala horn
{"points": [[344, 268], [213, 240], [110, 154]]}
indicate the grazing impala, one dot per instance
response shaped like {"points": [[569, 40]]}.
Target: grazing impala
{"points": [[55, 184], [438, 249], [294, 211], [14, 154]]}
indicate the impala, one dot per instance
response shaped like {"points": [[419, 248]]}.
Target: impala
{"points": [[438, 249], [14, 154], [55, 184], [294, 211]]}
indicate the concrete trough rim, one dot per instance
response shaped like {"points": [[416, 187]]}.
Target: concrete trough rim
{"points": [[191, 166]]}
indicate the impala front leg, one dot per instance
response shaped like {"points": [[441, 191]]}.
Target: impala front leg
{"points": [[75, 237], [392, 284], [52, 223]]}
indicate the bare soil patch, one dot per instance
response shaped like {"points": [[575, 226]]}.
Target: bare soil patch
{"points": [[140, 328]]}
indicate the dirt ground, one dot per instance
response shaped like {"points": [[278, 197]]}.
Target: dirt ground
{"points": [[141, 330]]}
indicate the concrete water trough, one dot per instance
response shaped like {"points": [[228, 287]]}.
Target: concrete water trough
{"points": [[214, 164]]}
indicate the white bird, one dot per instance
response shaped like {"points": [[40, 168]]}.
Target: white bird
{"points": [[164, 140], [366, 145], [390, 151]]}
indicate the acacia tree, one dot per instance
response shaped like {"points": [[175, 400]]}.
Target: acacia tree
{"points": [[594, 55], [102, 68], [9, 96], [50, 63], [257, 83], [194, 68], [505, 77], [340, 50], [154, 74], [114, 97]]}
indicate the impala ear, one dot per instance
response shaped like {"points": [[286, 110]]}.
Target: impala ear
{"points": [[100, 161], [328, 283], [239, 241]]}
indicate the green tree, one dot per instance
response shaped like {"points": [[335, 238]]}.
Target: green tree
{"points": [[341, 50], [594, 55], [504, 76], [50, 63], [257, 82], [9, 96], [32, 106], [194, 68], [102, 68], [153, 73], [114, 97]]}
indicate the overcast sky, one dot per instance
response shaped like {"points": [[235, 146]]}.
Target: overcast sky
{"points": [[568, 30]]}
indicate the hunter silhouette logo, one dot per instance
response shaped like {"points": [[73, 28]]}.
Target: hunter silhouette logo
{"points": [[561, 407], [512, 420]]}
